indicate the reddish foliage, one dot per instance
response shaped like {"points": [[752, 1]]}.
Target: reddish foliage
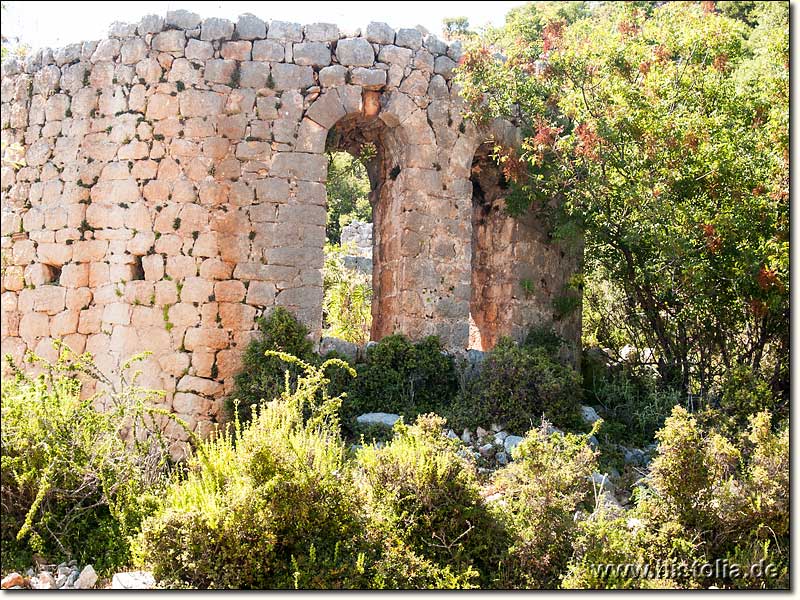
{"points": [[713, 240], [476, 58], [691, 140], [644, 67], [662, 53], [767, 278], [627, 28], [709, 6], [514, 168], [721, 62], [551, 35], [546, 134], [589, 142]]}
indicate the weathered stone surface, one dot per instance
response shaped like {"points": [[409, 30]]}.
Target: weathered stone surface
{"points": [[315, 54], [356, 52], [380, 33], [409, 38], [322, 32], [174, 191], [378, 418], [134, 580], [250, 27], [183, 19], [216, 29], [285, 32]]}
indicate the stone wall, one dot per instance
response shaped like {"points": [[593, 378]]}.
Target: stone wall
{"points": [[174, 190]]}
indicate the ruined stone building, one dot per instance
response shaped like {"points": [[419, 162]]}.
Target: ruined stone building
{"points": [[173, 190]]}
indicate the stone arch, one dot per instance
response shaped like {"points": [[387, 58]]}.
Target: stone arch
{"points": [[175, 175]]}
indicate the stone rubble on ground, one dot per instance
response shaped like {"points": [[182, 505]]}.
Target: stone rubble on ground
{"points": [[67, 576]]}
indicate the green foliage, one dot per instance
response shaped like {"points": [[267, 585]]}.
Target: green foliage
{"points": [[456, 28], [542, 489], [76, 481], [264, 378], [421, 489], [661, 131], [348, 192], [517, 386], [402, 377], [707, 497], [347, 302], [633, 402], [272, 507]]}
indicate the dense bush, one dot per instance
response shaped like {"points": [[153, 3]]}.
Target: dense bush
{"points": [[272, 507], [707, 498], [633, 403], [277, 506], [423, 490], [72, 486], [547, 482], [347, 301], [402, 377], [263, 378], [517, 385]]}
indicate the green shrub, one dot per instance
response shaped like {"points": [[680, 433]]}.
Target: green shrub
{"points": [[272, 507], [347, 302], [516, 386], [707, 498], [633, 402], [263, 378], [541, 490], [402, 377], [72, 486], [420, 489]]}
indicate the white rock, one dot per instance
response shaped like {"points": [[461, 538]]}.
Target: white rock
{"points": [[589, 414], [135, 580], [466, 436], [86, 579], [378, 418], [481, 432], [511, 442]]}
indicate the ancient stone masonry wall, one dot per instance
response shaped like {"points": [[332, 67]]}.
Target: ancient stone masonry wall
{"points": [[174, 190]]}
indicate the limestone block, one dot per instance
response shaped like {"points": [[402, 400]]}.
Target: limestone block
{"points": [[169, 41], [380, 33], [229, 291], [237, 316], [356, 52], [297, 165], [292, 77], [321, 32], [199, 338], [183, 19], [286, 32], [268, 50], [107, 50], [327, 109], [238, 50], [250, 27], [199, 50], [261, 293], [409, 38], [216, 29], [334, 75], [33, 326], [200, 103], [395, 55], [315, 54], [221, 71], [370, 79], [444, 66], [150, 24], [253, 74], [196, 289]]}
